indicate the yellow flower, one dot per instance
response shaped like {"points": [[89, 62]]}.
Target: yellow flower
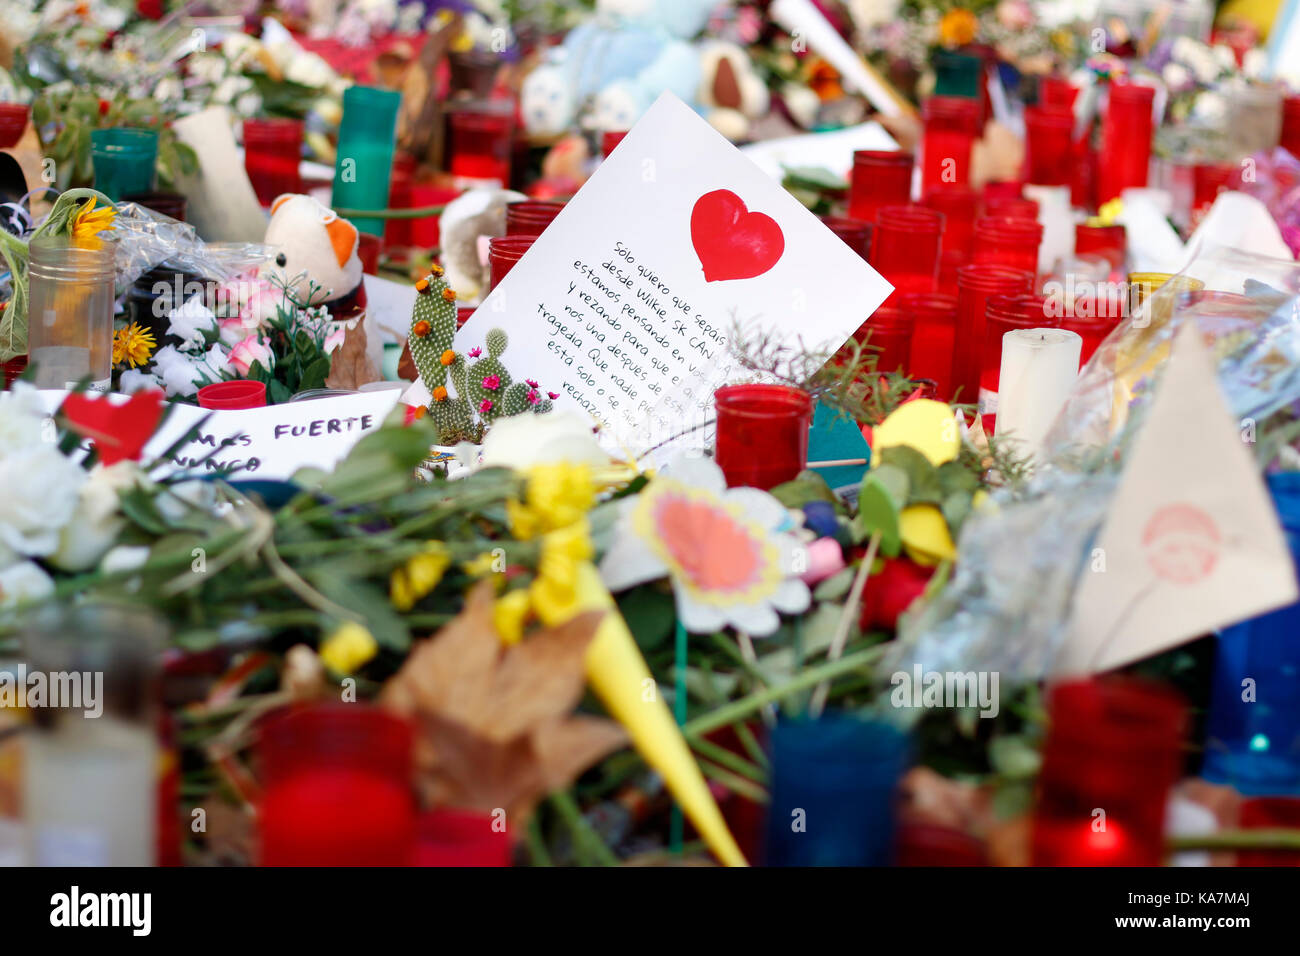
{"points": [[508, 615], [554, 592], [484, 564], [1109, 212], [349, 647], [557, 495], [420, 575], [89, 222], [957, 28], [132, 345]]}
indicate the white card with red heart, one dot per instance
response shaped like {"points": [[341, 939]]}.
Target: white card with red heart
{"points": [[623, 307]]}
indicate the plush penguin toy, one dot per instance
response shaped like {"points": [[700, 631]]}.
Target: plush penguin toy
{"points": [[315, 246]]}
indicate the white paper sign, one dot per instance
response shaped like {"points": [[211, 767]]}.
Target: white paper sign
{"points": [[623, 306], [1191, 542], [262, 443]]}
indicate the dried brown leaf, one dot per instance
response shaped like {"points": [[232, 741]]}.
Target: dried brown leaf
{"points": [[350, 365]]}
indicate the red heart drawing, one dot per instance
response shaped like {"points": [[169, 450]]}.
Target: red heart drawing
{"points": [[118, 431], [731, 241]]}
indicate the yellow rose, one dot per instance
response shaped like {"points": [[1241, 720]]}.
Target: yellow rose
{"points": [[348, 648], [420, 575]]}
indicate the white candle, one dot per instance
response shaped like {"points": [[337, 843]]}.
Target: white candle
{"points": [[1038, 370]]}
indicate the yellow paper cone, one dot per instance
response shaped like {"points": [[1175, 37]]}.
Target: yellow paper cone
{"points": [[621, 679]]}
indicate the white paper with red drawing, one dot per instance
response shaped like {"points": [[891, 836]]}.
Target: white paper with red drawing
{"points": [[622, 308]]}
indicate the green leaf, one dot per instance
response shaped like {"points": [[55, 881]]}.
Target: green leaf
{"points": [[894, 480], [954, 476], [955, 508], [923, 478], [277, 393], [650, 614], [139, 506], [1012, 756], [805, 487], [877, 514], [836, 586], [368, 600]]}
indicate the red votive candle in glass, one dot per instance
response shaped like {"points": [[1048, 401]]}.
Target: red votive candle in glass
{"points": [[1002, 314], [397, 232], [1049, 145], [237, 393], [368, 249], [13, 123], [609, 139], [855, 233], [529, 217], [1092, 320], [461, 838], [1057, 92], [951, 128], [762, 434], [1113, 753], [881, 177], [934, 330], [337, 788], [959, 205], [976, 283], [1125, 140], [1208, 180], [1106, 242], [889, 334], [1011, 207], [480, 144], [1270, 813], [1290, 138], [1004, 241], [272, 150], [1002, 189], [503, 253], [905, 247]]}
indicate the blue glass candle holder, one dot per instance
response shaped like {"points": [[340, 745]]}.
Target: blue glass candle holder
{"points": [[1253, 730], [833, 790]]}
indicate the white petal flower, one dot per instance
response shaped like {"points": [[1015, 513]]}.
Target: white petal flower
{"points": [[521, 441], [191, 320], [22, 418], [24, 582], [40, 495], [178, 373], [97, 521]]}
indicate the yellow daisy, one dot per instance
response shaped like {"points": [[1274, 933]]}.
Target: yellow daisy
{"points": [[132, 345], [89, 222]]}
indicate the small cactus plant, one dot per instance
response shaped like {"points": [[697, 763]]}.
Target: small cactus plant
{"points": [[484, 388]]}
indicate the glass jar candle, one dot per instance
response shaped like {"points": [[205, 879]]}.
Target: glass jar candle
{"points": [[951, 128], [880, 178], [461, 838], [609, 139], [888, 333], [976, 283], [1254, 116], [1208, 180], [1106, 242], [503, 253], [336, 788], [934, 330], [70, 311], [124, 160], [1289, 137], [1003, 313], [482, 137], [363, 167], [1056, 91], [1011, 207], [840, 775], [272, 150], [855, 233], [91, 763], [1049, 145], [13, 123], [1126, 133], [998, 189], [905, 247], [529, 217], [1007, 241], [958, 205], [762, 434], [1113, 753]]}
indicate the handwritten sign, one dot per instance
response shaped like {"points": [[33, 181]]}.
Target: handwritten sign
{"points": [[264, 443], [624, 306]]}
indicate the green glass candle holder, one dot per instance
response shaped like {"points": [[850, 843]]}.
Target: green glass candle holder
{"points": [[124, 160], [364, 164]]}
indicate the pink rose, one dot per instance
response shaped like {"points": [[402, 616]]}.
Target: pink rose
{"points": [[251, 350]]}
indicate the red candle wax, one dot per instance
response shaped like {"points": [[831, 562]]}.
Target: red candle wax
{"points": [[272, 150], [1006, 241], [481, 142], [1049, 145], [762, 436], [880, 178], [1126, 135], [934, 330]]}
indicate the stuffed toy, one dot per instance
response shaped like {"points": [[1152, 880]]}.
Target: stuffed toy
{"points": [[731, 91], [314, 248]]}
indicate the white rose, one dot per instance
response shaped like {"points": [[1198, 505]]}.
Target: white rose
{"points": [[230, 88], [521, 441], [1176, 76], [177, 372], [40, 495], [124, 558], [191, 320], [1254, 63], [309, 69], [216, 363], [97, 521], [134, 380], [178, 500], [24, 582], [22, 418]]}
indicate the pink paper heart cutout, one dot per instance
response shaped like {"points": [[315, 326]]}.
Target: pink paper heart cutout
{"points": [[732, 242]]}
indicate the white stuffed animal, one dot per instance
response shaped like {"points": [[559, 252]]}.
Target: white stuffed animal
{"points": [[315, 246]]}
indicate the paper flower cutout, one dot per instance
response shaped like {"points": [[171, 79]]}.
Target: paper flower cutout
{"points": [[725, 550]]}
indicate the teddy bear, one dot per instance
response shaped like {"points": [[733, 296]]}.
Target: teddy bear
{"points": [[314, 247]]}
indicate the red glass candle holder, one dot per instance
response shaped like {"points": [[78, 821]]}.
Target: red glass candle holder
{"points": [[1004, 241], [1270, 813], [13, 121], [1290, 138], [880, 178], [398, 233], [463, 313], [503, 253], [1094, 317], [855, 233], [1003, 313], [1057, 92], [426, 233], [368, 249], [1113, 752], [927, 844], [1105, 242], [1002, 189], [905, 247], [480, 144], [762, 434], [237, 393], [1049, 145], [529, 217], [1208, 180], [337, 788], [951, 128], [958, 204], [976, 283], [1011, 207], [934, 331], [888, 332], [1126, 135], [272, 151], [461, 838], [609, 139]]}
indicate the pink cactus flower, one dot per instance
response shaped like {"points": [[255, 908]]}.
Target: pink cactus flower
{"points": [[485, 406], [534, 397], [475, 353], [553, 395], [491, 382], [530, 383]]}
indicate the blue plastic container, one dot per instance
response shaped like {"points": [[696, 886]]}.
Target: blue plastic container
{"points": [[1252, 737], [833, 790]]}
